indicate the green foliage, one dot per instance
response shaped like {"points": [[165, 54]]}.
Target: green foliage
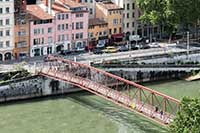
{"points": [[188, 118], [157, 12], [170, 13], [187, 11]]}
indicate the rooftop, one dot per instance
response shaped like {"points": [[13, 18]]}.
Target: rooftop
{"points": [[110, 6], [59, 7], [38, 12], [96, 21], [71, 4]]}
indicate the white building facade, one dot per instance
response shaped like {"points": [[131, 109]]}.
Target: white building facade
{"points": [[6, 29], [91, 7], [130, 16]]}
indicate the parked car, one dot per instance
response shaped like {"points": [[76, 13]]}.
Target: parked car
{"points": [[65, 52], [145, 46], [153, 45], [80, 49], [123, 48], [98, 51], [110, 49], [99, 46], [134, 48]]}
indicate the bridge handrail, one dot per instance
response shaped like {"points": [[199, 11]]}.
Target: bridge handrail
{"points": [[117, 77]]}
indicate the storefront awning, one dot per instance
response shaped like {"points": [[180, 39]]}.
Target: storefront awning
{"points": [[115, 36]]}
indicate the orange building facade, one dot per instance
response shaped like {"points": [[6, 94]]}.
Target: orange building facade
{"points": [[21, 49]]}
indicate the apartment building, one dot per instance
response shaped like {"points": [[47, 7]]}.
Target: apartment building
{"points": [[98, 32], [21, 30], [72, 24], [6, 29], [113, 15], [57, 25], [130, 16], [41, 31], [90, 6]]}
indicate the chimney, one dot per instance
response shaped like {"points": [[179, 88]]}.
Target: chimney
{"points": [[50, 6], [48, 3]]}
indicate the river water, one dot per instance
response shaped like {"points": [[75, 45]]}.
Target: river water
{"points": [[85, 113]]}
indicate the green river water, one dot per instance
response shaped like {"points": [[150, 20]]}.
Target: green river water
{"points": [[85, 113]]}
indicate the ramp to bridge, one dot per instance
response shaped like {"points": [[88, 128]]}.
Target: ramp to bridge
{"points": [[145, 101]]}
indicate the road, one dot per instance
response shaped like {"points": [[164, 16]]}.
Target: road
{"points": [[90, 57]]}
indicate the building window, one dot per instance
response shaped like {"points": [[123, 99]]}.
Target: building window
{"points": [[63, 16], [81, 25], [7, 43], [77, 25], [77, 35], [59, 27], [72, 26], [91, 11], [120, 30], [35, 31], [7, 9], [133, 14], [128, 6], [7, 32], [1, 22], [63, 37], [7, 21], [133, 6], [127, 15], [66, 26], [1, 44], [81, 35], [21, 33], [1, 33], [110, 31], [42, 40], [50, 39], [58, 16], [100, 33], [67, 16], [133, 24], [115, 30], [49, 30], [115, 21], [127, 25], [1, 10], [63, 27], [79, 15]]}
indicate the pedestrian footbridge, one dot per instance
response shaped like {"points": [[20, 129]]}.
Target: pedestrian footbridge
{"points": [[130, 95]]}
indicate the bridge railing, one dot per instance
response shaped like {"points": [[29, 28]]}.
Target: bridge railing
{"points": [[144, 100]]}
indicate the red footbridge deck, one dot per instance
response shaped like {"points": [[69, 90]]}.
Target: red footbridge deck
{"points": [[128, 94]]}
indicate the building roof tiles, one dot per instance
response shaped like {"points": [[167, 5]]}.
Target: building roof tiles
{"points": [[38, 12]]}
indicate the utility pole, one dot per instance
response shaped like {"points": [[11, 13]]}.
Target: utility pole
{"points": [[188, 43]]}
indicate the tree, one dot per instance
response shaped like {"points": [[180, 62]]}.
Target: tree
{"points": [[187, 12], [188, 118], [159, 12]]}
